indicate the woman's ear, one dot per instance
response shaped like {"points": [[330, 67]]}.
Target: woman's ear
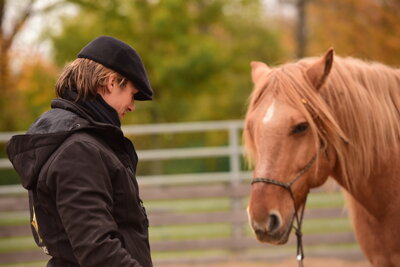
{"points": [[111, 82]]}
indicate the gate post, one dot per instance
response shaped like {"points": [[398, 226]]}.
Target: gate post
{"points": [[235, 181]]}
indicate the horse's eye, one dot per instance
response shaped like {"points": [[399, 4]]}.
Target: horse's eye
{"points": [[300, 128]]}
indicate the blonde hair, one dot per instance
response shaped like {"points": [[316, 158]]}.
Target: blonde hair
{"points": [[356, 111], [87, 77]]}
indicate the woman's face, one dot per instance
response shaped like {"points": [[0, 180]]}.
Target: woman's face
{"points": [[122, 99]]}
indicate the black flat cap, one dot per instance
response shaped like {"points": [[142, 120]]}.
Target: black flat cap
{"points": [[122, 58]]}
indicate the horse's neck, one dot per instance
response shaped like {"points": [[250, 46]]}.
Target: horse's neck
{"points": [[377, 192]]}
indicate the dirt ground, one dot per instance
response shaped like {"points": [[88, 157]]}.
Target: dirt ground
{"points": [[310, 262]]}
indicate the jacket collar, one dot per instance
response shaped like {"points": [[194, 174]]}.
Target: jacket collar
{"points": [[96, 106]]}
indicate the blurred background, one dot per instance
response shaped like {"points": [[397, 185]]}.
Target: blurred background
{"points": [[197, 55]]}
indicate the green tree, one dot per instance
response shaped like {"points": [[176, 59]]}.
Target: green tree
{"points": [[197, 52]]}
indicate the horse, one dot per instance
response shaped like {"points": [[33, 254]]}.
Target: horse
{"points": [[321, 117]]}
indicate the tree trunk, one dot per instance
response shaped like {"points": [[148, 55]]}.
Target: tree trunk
{"points": [[6, 121], [301, 29], [3, 50]]}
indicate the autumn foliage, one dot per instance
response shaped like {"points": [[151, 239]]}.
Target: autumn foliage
{"points": [[197, 52]]}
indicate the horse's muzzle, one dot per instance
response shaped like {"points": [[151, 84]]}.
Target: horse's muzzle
{"points": [[273, 230]]}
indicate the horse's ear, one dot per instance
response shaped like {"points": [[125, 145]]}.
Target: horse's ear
{"points": [[319, 71], [258, 69]]}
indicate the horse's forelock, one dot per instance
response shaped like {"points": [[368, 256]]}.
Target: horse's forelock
{"points": [[283, 82]]}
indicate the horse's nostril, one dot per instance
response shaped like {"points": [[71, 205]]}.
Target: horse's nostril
{"points": [[273, 223]]}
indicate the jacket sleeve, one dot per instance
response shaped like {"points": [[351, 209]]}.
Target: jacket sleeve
{"points": [[83, 194]]}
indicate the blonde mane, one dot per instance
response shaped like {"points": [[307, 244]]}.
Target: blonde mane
{"points": [[356, 111]]}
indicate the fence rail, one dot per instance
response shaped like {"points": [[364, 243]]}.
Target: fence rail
{"points": [[192, 214]]}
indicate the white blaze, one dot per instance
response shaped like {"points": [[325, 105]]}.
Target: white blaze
{"points": [[270, 112]]}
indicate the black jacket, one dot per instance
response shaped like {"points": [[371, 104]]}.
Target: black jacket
{"points": [[83, 191]]}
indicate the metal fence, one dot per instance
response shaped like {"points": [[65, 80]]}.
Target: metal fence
{"points": [[233, 151], [211, 206]]}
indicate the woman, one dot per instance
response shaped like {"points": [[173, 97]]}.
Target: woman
{"points": [[80, 169]]}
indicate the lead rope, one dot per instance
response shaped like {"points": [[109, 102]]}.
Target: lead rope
{"points": [[298, 232]]}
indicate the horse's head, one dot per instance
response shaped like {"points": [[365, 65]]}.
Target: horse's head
{"points": [[282, 136]]}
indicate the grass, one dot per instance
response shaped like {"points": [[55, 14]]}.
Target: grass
{"points": [[331, 225], [325, 200], [315, 200], [26, 264], [318, 226], [14, 218], [190, 254], [188, 232], [13, 244], [189, 205]]}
